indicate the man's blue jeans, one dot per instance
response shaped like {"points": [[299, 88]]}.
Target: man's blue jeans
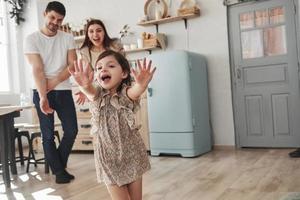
{"points": [[62, 102]]}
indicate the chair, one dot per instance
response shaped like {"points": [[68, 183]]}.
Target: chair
{"points": [[31, 155], [18, 135]]}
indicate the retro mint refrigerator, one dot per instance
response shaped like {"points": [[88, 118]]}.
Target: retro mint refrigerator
{"points": [[178, 110]]}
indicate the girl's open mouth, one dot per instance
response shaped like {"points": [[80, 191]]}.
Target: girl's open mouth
{"points": [[105, 77]]}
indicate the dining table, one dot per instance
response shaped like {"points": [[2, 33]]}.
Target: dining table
{"points": [[7, 144]]}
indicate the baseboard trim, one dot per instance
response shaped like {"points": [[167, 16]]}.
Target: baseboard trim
{"points": [[224, 147]]}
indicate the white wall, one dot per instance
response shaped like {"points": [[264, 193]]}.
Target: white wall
{"points": [[11, 97], [19, 71], [206, 35]]}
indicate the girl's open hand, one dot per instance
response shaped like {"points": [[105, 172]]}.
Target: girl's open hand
{"points": [[81, 98], [144, 74], [83, 77]]}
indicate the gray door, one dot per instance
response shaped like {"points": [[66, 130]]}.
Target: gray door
{"points": [[265, 74]]}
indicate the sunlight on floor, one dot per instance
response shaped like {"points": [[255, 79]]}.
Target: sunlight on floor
{"points": [[17, 196], [37, 176], [33, 173], [3, 188], [43, 194], [3, 197], [24, 177], [6, 194]]}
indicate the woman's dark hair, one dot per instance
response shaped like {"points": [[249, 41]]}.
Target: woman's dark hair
{"points": [[88, 43], [57, 7], [123, 63]]}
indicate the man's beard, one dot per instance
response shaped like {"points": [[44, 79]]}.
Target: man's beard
{"points": [[53, 28]]}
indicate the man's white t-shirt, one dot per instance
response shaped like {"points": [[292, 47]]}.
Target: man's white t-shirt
{"points": [[53, 51]]}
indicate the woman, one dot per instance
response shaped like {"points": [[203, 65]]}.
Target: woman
{"points": [[95, 42]]}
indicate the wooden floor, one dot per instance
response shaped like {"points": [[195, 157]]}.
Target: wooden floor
{"points": [[245, 174]]}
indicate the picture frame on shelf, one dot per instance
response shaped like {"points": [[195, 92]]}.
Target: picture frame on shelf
{"points": [[155, 9]]}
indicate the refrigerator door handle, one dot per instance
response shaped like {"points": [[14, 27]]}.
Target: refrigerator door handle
{"points": [[238, 73], [150, 91]]}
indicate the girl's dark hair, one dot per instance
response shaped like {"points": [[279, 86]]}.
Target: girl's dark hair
{"points": [[88, 43], [57, 7], [123, 63]]}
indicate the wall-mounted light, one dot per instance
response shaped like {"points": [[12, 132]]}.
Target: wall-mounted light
{"points": [[17, 9]]}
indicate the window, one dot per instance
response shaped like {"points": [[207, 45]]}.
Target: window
{"points": [[4, 75], [263, 33]]}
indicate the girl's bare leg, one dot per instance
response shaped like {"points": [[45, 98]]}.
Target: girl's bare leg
{"points": [[135, 190], [118, 193]]}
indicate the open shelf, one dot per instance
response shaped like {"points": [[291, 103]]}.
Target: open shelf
{"points": [[143, 49], [168, 19], [79, 38]]}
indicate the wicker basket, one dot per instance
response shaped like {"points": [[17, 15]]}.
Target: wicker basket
{"points": [[186, 11], [151, 42], [159, 40]]}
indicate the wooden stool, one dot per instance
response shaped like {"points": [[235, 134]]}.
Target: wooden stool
{"points": [[18, 135], [31, 155]]}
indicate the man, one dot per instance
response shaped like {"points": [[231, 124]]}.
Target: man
{"points": [[295, 154], [50, 52]]}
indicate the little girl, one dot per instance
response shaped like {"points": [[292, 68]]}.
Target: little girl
{"points": [[120, 154]]}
